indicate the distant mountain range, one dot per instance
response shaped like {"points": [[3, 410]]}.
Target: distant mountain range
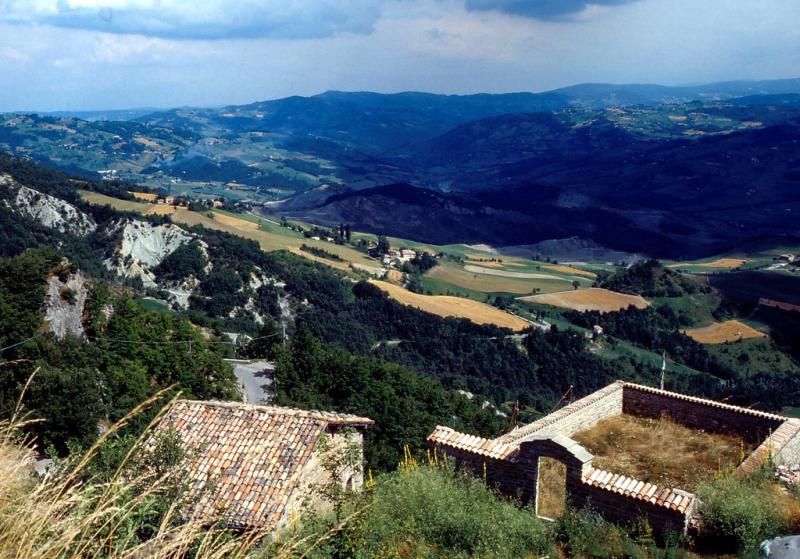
{"points": [[661, 170]]}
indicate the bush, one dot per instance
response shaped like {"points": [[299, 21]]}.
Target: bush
{"points": [[431, 511], [585, 534], [738, 513], [67, 295]]}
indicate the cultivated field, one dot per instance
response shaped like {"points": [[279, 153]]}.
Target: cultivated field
{"points": [[444, 305], [592, 299], [277, 238], [116, 203], [146, 196], [505, 273], [162, 209], [394, 276], [127, 205], [726, 263], [569, 270], [495, 283], [235, 221], [721, 332], [269, 235]]}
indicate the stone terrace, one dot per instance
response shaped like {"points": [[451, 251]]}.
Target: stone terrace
{"points": [[511, 461]]}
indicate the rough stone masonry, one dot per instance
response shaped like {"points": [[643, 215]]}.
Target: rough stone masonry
{"points": [[511, 461]]}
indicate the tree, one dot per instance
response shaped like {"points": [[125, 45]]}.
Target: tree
{"points": [[383, 245], [70, 405], [267, 344], [575, 284]]}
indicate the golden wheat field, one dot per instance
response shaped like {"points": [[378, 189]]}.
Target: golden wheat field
{"points": [[394, 276], [146, 196], [444, 305], [592, 299], [161, 209], [235, 221], [116, 203], [719, 263], [721, 332], [569, 270]]}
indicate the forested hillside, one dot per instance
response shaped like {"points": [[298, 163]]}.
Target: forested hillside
{"points": [[219, 283]]}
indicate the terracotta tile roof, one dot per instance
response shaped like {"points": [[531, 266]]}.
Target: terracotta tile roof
{"points": [[673, 499], [490, 448], [249, 458]]}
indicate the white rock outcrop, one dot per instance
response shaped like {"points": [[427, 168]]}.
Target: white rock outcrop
{"points": [[143, 247], [64, 304], [179, 292], [48, 210]]}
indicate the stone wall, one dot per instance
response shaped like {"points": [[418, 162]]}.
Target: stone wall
{"points": [[623, 509], [510, 462], [697, 413], [313, 475], [577, 416], [780, 447], [787, 447], [517, 476]]}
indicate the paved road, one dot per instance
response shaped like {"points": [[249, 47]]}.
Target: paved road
{"points": [[256, 377]]}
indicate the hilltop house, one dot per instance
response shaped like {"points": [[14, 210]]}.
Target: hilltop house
{"points": [[257, 465], [511, 462]]}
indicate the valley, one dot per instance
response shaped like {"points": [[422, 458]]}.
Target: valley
{"points": [[477, 274], [504, 170]]}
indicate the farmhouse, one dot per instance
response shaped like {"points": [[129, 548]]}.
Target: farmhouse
{"points": [[399, 256], [257, 465], [513, 462]]}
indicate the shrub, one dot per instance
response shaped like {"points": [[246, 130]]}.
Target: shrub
{"points": [[67, 295], [431, 511], [738, 513], [585, 534]]}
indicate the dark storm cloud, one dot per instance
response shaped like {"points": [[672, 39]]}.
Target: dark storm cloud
{"points": [[539, 9]]}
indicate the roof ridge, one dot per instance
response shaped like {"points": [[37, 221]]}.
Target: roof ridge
{"points": [[328, 416], [559, 414]]}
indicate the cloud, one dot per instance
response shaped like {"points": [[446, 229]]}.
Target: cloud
{"points": [[540, 9], [201, 19]]}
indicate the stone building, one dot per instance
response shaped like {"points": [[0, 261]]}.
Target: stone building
{"points": [[511, 462], [258, 465]]}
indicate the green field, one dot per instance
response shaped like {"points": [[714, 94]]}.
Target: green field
{"points": [[752, 356], [155, 305], [456, 276], [696, 308], [116, 203], [268, 234]]}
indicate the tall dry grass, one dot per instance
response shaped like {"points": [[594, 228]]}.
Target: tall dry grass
{"points": [[661, 451], [70, 514]]}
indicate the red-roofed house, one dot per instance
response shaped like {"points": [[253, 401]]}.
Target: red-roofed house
{"points": [[257, 465]]}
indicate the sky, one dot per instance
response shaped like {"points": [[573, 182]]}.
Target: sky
{"points": [[106, 54]]}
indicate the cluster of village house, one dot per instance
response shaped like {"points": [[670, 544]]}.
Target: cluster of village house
{"points": [[398, 256], [260, 464]]}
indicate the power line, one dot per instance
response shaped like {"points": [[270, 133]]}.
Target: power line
{"points": [[16, 344]]}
